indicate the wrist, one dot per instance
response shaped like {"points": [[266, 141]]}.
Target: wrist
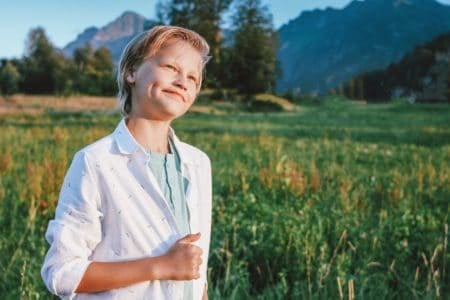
{"points": [[158, 268]]}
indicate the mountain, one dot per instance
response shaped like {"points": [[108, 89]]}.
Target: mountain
{"points": [[113, 36], [321, 49], [421, 75]]}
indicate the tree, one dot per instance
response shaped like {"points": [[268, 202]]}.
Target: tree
{"points": [[42, 67], [94, 71], [82, 57], [9, 78], [253, 54], [45, 70], [104, 70], [204, 17]]}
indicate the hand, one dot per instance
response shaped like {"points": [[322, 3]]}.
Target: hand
{"points": [[183, 260]]}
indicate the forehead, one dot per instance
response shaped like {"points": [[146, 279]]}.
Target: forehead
{"points": [[182, 53]]}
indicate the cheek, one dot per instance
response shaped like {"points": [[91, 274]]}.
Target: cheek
{"points": [[148, 77], [193, 95], [151, 84], [193, 90]]}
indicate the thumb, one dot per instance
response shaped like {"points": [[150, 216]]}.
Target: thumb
{"points": [[189, 238]]}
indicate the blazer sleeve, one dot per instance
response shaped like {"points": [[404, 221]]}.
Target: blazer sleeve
{"points": [[207, 211], [75, 230]]}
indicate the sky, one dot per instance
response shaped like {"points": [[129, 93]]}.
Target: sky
{"points": [[63, 20]]}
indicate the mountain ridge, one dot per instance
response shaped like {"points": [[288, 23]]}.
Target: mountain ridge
{"points": [[321, 49], [114, 35]]}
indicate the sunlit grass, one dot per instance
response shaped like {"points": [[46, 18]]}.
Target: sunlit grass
{"points": [[320, 203]]}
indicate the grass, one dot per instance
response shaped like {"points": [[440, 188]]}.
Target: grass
{"points": [[332, 201], [38, 104]]}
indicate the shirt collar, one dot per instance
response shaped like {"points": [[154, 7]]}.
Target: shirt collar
{"points": [[128, 145]]}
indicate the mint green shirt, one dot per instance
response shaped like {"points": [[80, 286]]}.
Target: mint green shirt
{"points": [[167, 171]]}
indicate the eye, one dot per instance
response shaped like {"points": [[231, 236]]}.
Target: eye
{"points": [[171, 67], [193, 79]]}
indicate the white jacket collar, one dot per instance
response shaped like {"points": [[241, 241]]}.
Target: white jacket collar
{"points": [[127, 144]]}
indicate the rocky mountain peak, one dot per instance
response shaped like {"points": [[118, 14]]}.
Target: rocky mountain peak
{"points": [[114, 36]]}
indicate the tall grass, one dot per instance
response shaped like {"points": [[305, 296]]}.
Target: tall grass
{"points": [[342, 202]]}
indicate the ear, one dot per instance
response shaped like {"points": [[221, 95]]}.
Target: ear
{"points": [[131, 77]]}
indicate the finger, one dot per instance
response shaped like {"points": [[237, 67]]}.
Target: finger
{"points": [[190, 238], [196, 250]]}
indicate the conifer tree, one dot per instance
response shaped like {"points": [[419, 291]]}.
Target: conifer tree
{"points": [[253, 54], [42, 67], [204, 17]]}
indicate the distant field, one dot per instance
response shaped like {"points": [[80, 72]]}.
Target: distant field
{"points": [[29, 104], [331, 201], [42, 104]]}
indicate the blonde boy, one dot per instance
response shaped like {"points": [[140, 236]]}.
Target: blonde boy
{"points": [[133, 219]]}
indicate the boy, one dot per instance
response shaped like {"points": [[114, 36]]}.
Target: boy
{"points": [[133, 219]]}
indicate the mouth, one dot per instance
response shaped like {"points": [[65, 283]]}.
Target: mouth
{"points": [[172, 92]]}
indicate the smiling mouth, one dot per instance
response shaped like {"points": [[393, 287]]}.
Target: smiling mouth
{"points": [[176, 94]]}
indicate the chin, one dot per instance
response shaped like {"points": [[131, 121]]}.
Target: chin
{"points": [[173, 114]]}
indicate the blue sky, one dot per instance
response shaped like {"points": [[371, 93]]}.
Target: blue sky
{"points": [[63, 20]]}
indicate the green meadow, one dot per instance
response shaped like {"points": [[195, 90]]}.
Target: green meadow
{"points": [[333, 201]]}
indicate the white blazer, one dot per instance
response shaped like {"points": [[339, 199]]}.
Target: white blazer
{"points": [[111, 208]]}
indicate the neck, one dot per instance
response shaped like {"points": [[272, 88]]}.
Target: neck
{"points": [[150, 134]]}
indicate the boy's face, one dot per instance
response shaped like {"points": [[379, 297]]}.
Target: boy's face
{"points": [[165, 86]]}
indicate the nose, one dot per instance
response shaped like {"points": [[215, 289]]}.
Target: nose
{"points": [[180, 82]]}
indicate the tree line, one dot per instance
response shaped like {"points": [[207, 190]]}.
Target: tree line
{"points": [[45, 70], [422, 75], [244, 53]]}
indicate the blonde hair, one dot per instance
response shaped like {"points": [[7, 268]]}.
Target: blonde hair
{"points": [[146, 45]]}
